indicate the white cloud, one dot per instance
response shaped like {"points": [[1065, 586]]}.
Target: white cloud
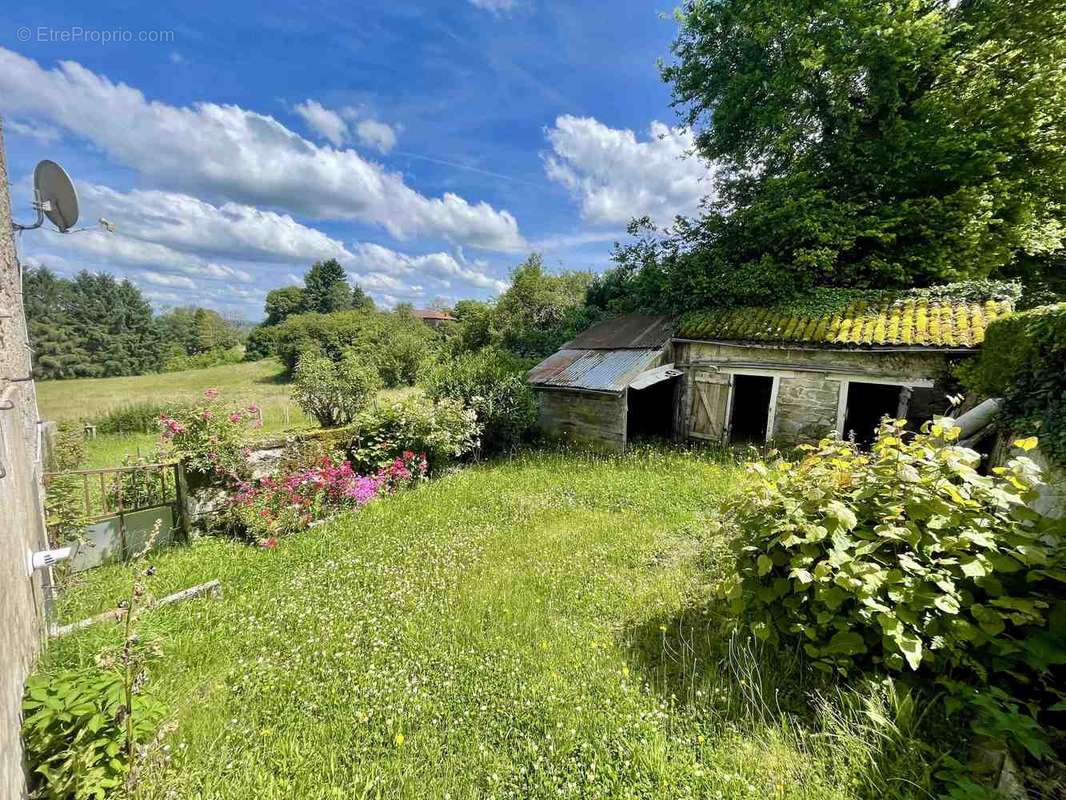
{"points": [[616, 177], [495, 6], [192, 225], [326, 122], [392, 277], [242, 155], [164, 279], [376, 134], [45, 134]]}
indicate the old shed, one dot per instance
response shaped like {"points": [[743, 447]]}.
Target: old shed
{"points": [[611, 384], [838, 363]]}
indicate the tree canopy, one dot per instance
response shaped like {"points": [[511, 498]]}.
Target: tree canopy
{"points": [[901, 143]]}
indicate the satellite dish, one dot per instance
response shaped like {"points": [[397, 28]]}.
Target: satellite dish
{"points": [[56, 195]]}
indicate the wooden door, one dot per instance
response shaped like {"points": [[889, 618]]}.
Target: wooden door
{"points": [[710, 402]]}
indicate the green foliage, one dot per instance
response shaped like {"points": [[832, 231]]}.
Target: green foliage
{"points": [[326, 288], [333, 392], [906, 559], [862, 144], [140, 417], [209, 437], [76, 734], [445, 431], [211, 358], [1023, 360], [91, 326], [540, 311], [395, 343], [284, 303], [493, 384], [64, 505], [195, 331]]}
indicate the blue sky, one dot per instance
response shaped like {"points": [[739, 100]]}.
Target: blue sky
{"points": [[429, 146]]}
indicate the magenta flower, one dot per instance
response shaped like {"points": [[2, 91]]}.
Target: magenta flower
{"points": [[211, 394]]}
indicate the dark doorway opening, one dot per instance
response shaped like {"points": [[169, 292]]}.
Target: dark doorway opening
{"points": [[650, 412], [868, 403], [750, 413]]}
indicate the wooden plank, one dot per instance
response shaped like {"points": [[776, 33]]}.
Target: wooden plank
{"points": [[214, 588]]}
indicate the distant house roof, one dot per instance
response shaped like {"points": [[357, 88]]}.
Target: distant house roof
{"points": [[592, 370], [631, 332], [948, 317], [432, 314]]}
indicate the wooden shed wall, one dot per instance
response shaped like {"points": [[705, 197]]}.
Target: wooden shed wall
{"points": [[585, 417]]}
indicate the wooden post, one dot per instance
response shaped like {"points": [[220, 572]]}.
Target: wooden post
{"points": [[181, 503]]}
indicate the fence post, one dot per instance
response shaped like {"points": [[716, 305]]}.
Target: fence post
{"points": [[181, 504]]}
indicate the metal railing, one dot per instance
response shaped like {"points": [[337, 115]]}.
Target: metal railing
{"points": [[117, 491]]}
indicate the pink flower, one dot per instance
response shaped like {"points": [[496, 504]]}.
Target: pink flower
{"points": [[211, 394], [269, 544], [235, 416], [206, 415], [253, 408]]}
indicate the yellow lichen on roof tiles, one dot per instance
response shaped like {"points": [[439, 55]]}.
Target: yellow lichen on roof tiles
{"points": [[963, 333], [933, 323], [921, 322]]}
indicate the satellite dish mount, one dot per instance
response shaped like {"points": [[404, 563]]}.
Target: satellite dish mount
{"points": [[54, 197]]}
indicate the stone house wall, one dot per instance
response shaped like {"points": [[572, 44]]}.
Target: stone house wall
{"points": [[21, 517], [810, 382]]}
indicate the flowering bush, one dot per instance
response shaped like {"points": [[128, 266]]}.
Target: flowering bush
{"points": [[209, 436], [272, 506], [444, 431]]}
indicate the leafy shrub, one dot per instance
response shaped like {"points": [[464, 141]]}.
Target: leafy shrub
{"points": [[444, 431], [209, 437], [76, 733], [904, 558], [333, 392], [1022, 361], [139, 417], [273, 506], [210, 358], [493, 384], [397, 344]]}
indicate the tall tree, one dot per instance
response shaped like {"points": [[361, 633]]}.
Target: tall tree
{"points": [[283, 303], [867, 144], [326, 288], [57, 351]]}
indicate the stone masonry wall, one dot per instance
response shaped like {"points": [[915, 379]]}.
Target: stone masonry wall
{"points": [[21, 520], [807, 401]]}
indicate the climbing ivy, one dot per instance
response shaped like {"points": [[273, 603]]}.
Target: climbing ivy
{"points": [[1024, 362]]}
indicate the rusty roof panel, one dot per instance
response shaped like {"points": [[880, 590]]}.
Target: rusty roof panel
{"points": [[631, 332], [592, 370]]}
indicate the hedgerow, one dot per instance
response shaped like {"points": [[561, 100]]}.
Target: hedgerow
{"points": [[1023, 360]]}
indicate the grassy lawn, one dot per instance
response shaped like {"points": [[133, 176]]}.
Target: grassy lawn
{"points": [[262, 382], [255, 381], [537, 628]]}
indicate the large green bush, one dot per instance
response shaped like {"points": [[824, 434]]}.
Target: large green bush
{"points": [[905, 558], [1023, 360], [493, 384], [445, 431], [333, 392], [396, 343]]}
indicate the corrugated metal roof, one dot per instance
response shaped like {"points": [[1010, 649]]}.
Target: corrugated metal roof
{"points": [[592, 370], [631, 332]]}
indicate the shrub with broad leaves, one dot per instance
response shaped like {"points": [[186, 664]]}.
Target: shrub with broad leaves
{"points": [[274, 506], [333, 392], [209, 437], [444, 431], [493, 384], [905, 558]]}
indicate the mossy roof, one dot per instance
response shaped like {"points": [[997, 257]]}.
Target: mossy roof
{"points": [[933, 318]]}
